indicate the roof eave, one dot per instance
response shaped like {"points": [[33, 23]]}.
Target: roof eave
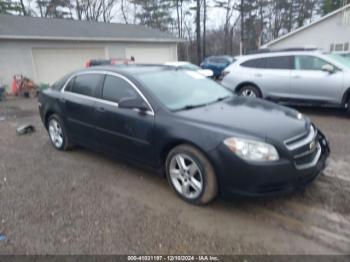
{"points": [[93, 39], [306, 26]]}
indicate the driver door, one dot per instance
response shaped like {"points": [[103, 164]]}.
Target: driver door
{"points": [[310, 83], [122, 131]]}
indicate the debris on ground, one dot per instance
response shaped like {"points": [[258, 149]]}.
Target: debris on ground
{"points": [[23, 86], [25, 129]]}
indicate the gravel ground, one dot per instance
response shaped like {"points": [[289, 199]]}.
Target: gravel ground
{"points": [[81, 202]]}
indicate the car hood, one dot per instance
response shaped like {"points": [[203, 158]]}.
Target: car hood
{"points": [[250, 118]]}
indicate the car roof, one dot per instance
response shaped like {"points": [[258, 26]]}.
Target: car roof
{"points": [[129, 70], [221, 56], [282, 53]]}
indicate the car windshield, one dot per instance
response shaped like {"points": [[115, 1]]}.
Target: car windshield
{"points": [[340, 59], [180, 90]]}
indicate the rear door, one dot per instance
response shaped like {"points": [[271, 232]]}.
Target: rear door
{"points": [[79, 101], [126, 132], [311, 83], [272, 75]]}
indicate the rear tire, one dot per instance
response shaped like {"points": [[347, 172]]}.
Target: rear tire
{"points": [[249, 91], [191, 175], [58, 134]]}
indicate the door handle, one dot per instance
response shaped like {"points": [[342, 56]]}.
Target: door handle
{"points": [[296, 77], [258, 75]]}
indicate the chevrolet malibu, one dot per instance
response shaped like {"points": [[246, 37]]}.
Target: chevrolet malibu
{"points": [[205, 140]]}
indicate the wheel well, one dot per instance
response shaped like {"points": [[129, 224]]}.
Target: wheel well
{"points": [[346, 96], [47, 115], [247, 84], [170, 146]]}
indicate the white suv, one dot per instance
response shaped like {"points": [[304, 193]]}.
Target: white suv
{"points": [[299, 77]]}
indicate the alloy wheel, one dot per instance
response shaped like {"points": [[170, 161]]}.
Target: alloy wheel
{"points": [[186, 176], [56, 133], [248, 93]]}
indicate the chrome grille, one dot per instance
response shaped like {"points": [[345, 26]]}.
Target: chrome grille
{"points": [[301, 140], [305, 148]]}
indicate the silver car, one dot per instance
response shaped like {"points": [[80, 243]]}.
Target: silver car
{"points": [[301, 77]]}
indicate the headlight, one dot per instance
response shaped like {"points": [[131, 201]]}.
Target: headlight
{"points": [[252, 150]]}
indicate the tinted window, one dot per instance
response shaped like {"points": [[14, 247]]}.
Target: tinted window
{"points": [[278, 62], [255, 63], [309, 63], [218, 60], [86, 84], [115, 88], [69, 85]]}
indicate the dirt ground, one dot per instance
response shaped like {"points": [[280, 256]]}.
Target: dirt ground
{"points": [[80, 202]]}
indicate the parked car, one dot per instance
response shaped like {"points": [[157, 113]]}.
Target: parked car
{"points": [[191, 67], [217, 64], [206, 140], [295, 77], [113, 61]]}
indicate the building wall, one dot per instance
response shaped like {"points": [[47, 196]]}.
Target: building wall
{"points": [[334, 30], [17, 56]]}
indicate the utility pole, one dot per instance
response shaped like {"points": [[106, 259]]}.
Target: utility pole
{"points": [[204, 28], [241, 44], [198, 31]]}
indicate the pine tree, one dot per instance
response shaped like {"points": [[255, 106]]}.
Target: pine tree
{"points": [[154, 13], [329, 6]]}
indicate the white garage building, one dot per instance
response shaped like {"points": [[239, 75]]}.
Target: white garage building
{"points": [[45, 49], [330, 33]]}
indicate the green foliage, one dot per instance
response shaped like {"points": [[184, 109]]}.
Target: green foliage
{"points": [[9, 7], [155, 13], [329, 6]]}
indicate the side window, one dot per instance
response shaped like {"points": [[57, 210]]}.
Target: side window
{"points": [[309, 63], [218, 60], [279, 62], [116, 88], [69, 85], [255, 63], [86, 84]]}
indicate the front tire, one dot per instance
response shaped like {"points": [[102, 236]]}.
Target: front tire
{"points": [[57, 133], [191, 175], [249, 91]]}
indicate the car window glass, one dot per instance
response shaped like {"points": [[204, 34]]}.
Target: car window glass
{"points": [[116, 88], [183, 88], [86, 84], [278, 62], [218, 60], [69, 85], [255, 63], [309, 63]]}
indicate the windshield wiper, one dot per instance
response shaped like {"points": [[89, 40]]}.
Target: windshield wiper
{"points": [[189, 107], [222, 98]]}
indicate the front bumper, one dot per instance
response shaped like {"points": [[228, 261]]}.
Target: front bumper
{"points": [[238, 177]]}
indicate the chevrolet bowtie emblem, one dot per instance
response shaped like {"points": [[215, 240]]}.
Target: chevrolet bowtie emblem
{"points": [[312, 145]]}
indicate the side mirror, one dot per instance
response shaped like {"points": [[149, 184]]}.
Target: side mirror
{"points": [[328, 68], [133, 103]]}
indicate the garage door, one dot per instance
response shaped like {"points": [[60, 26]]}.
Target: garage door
{"points": [[152, 55], [52, 63]]}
